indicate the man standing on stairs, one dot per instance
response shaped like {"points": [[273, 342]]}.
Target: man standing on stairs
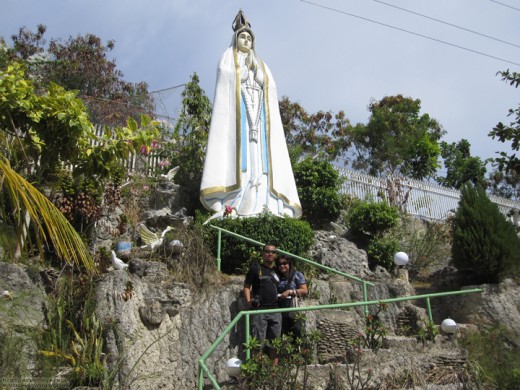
{"points": [[260, 292]]}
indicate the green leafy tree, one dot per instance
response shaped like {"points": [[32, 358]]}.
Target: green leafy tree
{"points": [[461, 166], [187, 146], [41, 133], [483, 240], [372, 218], [505, 180], [81, 63], [318, 184], [504, 183], [322, 134], [397, 139]]}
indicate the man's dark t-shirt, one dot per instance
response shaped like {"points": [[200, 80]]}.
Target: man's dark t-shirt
{"points": [[263, 281]]}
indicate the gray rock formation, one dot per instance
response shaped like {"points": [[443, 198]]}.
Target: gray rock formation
{"points": [[158, 328], [21, 314], [162, 328]]}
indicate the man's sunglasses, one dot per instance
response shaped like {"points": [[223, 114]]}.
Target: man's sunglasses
{"points": [[269, 252]]}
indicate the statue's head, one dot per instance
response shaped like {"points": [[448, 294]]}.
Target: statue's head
{"points": [[244, 38]]}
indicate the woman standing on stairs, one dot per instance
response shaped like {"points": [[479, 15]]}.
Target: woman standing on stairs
{"points": [[292, 285]]}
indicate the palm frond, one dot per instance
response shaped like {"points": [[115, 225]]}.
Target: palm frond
{"points": [[49, 222]]}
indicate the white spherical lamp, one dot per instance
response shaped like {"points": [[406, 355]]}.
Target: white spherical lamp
{"points": [[449, 326], [401, 259], [233, 366]]}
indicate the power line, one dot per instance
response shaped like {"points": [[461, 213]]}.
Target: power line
{"points": [[505, 5], [447, 23], [167, 89], [411, 32], [112, 101]]}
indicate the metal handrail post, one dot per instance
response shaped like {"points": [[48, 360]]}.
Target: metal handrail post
{"points": [[365, 297], [429, 307], [248, 337], [219, 246]]}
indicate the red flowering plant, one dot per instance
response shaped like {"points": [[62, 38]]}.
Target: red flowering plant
{"points": [[356, 378], [375, 332]]}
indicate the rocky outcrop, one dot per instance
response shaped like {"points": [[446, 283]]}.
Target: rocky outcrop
{"points": [[22, 305], [159, 330]]}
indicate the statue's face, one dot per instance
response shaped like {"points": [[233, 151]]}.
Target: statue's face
{"points": [[244, 42]]}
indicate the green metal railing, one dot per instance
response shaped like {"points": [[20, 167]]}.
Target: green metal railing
{"points": [[203, 369], [365, 283]]}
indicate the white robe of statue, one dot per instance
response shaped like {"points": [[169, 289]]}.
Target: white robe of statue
{"points": [[247, 164]]}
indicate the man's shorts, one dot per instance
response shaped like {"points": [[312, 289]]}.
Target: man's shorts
{"points": [[266, 326]]}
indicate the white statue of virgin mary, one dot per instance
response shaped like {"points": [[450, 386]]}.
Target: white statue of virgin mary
{"points": [[247, 166]]}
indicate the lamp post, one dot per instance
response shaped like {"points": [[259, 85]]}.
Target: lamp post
{"points": [[449, 327], [401, 260], [233, 368]]}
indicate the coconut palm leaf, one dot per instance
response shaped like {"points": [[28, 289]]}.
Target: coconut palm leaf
{"points": [[50, 224]]}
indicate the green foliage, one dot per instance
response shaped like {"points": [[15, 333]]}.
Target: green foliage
{"points": [[73, 334], [504, 183], [460, 166], [81, 63], [508, 164], [187, 146], [381, 250], [427, 245], [427, 333], [318, 184], [294, 354], [375, 332], [288, 234], [43, 132], [493, 352], [371, 218], [321, 134], [483, 240], [397, 139]]}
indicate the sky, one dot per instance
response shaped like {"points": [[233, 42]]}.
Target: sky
{"points": [[325, 54]]}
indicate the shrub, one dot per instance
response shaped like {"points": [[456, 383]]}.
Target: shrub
{"points": [[289, 234], [381, 251], [493, 352], [483, 240], [319, 187], [371, 219], [428, 245]]}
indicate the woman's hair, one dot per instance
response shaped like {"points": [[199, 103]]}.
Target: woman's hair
{"points": [[289, 261]]}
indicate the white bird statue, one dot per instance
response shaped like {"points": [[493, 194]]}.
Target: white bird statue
{"points": [[117, 263], [340, 230], [171, 173], [152, 240]]}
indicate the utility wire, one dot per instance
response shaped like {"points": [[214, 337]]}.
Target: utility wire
{"points": [[505, 5], [410, 32], [122, 104], [170, 88], [447, 23]]}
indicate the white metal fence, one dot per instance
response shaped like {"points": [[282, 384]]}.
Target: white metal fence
{"points": [[422, 199]]}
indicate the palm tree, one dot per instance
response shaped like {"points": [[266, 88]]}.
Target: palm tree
{"points": [[26, 204]]}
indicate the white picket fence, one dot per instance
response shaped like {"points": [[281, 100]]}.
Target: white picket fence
{"points": [[422, 199], [136, 162]]}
